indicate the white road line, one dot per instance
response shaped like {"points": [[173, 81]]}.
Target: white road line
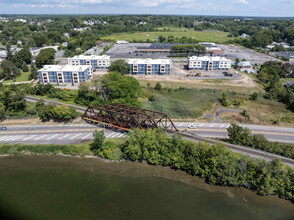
{"points": [[3, 137], [52, 137], [40, 137], [63, 136], [180, 124], [29, 137], [228, 126], [8, 138], [115, 135], [110, 135], [201, 125], [222, 126], [76, 136], [120, 135], [18, 137], [211, 125], [87, 136], [83, 125]]}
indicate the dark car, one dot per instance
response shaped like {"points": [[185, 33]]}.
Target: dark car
{"points": [[3, 128]]}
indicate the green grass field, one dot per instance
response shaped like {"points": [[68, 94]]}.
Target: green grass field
{"points": [[211, 36], [22, 78]]}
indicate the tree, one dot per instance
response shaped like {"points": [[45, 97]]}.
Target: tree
{"points": [[45, 57], [120, 66], [25, 67], [239, 135], [2, 111], [98, 141], [24, 55], [9, 68], [39, 40], [34, 72], [225, 100], [158, 86]]}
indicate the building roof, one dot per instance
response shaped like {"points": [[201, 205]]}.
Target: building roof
{"points": [[244, 63], [206, 58], [92, 57], [149, 61], [66, 68]]}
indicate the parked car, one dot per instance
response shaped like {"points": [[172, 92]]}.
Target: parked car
{"points": [[192, 126], [3, 128]]}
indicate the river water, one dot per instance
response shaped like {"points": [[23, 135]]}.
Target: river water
{"points": [[57, 187]]}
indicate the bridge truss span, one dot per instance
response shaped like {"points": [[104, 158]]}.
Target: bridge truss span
{"points": [[127, 117]]}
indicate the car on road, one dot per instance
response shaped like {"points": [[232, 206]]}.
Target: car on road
{"points": [[192, 126], [3, 128]]}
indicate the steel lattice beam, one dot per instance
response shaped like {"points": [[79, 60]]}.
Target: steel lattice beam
{"points": [[128, 117]]}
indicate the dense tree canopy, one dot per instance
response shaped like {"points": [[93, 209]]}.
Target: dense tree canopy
{"points": [[120, 66], [45, 57]]}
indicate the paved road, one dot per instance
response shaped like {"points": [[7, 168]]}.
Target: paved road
{"points": [[75, 133], [219, 130], [51, 134]]}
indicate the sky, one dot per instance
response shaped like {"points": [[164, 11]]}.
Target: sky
{"points": [[271, 8]]}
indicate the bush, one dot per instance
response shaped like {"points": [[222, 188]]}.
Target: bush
{"points": [[151, 98], [254, 96], [158, 86]]}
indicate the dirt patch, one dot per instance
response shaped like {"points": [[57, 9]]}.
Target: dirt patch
{"points": [[234, 117], [30, 121]]}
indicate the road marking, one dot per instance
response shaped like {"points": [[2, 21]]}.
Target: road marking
{"points": [[76, 136], [40, 137], [52, 137], [211, 125], [17, 138], [228, 126], [63, 136], [201, 125], [115, 135], [108, 136], [180, 124], [8, 138], [87, 136], [3, 137], [120, 135], [222, 126], [52, 131], [29, 137]]}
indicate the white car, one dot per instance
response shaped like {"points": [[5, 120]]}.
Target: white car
{"points": [[192, 126]]}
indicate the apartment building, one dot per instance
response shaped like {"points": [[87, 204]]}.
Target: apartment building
{"points": [[209, 63], [56, 74], [149, 66], [96, 62]]}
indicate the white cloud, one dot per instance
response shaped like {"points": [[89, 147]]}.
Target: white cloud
{"points": [[243, 2]]}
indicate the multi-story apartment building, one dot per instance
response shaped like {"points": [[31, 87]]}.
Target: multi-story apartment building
{"points": [[149, 66], [97, 62], [209, 63], [56, 74]]}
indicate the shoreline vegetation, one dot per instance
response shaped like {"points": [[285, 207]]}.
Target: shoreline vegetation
{"points": [[215, 164]]}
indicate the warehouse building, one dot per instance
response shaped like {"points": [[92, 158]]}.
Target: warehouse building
{"points": [[97, 62], [56, 74], [209, 63], [149, 66]]}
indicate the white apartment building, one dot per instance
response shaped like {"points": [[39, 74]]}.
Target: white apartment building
{"points": [[97, 62], [209, 63]]}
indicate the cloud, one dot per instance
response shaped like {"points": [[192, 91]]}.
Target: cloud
{"points": [[243, 2]]}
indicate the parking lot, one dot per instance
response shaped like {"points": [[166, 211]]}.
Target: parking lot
{"points": [[232, 52]]}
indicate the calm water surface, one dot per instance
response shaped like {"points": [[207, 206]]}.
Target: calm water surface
{"points": [[56, 187]]}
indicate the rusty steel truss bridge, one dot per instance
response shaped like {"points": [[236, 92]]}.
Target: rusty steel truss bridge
{"points": [[125, 117]]}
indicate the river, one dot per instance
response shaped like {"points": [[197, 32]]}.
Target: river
{"points": [[58, 187]]}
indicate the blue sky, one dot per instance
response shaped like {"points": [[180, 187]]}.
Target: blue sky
{"points": [[279, 8]]}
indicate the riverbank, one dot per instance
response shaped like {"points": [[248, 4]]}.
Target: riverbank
{"points": [[63, 187], [215, 164]]}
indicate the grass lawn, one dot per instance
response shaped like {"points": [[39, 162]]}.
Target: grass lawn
{"points": [[212, 36], [22, 78]]}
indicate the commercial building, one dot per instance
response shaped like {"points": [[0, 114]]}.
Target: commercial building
{"points": [[97, 62], [57, 74], [149, 66], [209, 63]]}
